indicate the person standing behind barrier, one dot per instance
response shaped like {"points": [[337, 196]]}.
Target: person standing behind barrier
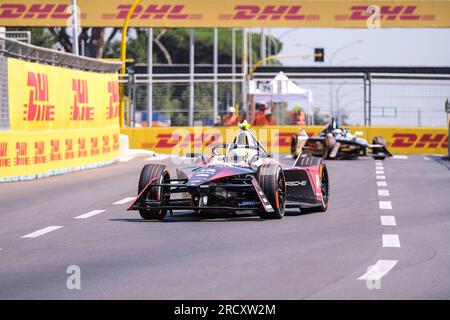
{"points": [[298, 117], [269, 120], [231, 119], [260, 117]]}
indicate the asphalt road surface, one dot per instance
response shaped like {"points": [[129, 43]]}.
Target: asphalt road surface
{"points": [[393, 216]]}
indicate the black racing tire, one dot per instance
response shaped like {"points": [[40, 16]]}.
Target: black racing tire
{"points": [[294, 142], [329, 142], [148, 173], [272, 181], [379, 152], [324, 187]]}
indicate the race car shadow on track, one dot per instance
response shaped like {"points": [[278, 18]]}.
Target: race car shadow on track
{"points": [[214, 217]]}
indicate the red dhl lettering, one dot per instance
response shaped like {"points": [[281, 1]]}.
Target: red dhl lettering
{"points": [[82, 152], [112, 110], [174, 12], [386, 13], [38, 108], [21, 158], [94, 146], [80, 109], [55, 154], [34, 11], [39, 153], [115, 142], [426, 140], [69, 154], [106, 148], [284, 139], [3, 149], [269, 12]]}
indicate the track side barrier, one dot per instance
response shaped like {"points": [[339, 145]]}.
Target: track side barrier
{"points": [[178, 140], [60, 120]]}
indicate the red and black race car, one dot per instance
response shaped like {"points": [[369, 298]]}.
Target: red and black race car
{"points": [[241, 176]]}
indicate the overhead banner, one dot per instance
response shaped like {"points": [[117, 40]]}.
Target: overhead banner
{"points": [[45, 97], [181, 140], [231, 13]]}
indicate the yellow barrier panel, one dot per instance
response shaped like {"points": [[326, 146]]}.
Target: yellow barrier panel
{"points": [[44, 97], [231, 13], [60, 119], [406, 140]]}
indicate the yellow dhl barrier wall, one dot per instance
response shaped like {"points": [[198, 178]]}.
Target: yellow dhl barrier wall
{"points": [[407, 140], [60, 119], [230, 13]]}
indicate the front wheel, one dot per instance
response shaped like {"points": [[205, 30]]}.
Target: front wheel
{"points": [[158, 174], [329, 143], [271, 179], [324, 188]]}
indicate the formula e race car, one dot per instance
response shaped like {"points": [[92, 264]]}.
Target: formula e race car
{"points": [[335, 142], [241, 176]]}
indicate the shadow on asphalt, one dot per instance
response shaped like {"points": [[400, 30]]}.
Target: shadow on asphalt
{"points": [[205, 217]]}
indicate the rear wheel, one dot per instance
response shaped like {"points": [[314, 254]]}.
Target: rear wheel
{"points": [[158, 173], [379, 152], [324, 187], [294, 142], [329, 143], [271, 179]]}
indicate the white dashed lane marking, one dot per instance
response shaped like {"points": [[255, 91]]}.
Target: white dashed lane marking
{"points": [[42, 232], [400, 157], [378, 270], [391, 241], [89, 214], [385, 205], [379, 172], [383, 192], [388, 221], [381, 183], [125, 200], [381, 178]]}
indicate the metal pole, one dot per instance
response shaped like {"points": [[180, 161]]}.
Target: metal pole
{"points": [[244, 68], [369, 102], [365, 99], [233, 65], [191, 78], [216, 70], [150, 76], [250, 50], [75, 26]]}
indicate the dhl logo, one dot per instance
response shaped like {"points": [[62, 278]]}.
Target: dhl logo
{"points": [[389, 13], [38, 108], [82, 152], [80, 109], [95, 151], [426, 140], [34, 11], [188, 140], [153, 11], [4, 161], [268, 12], [69, 154], [55, 154], [112, 110], [115, 145], [106, 147], [21, 154], [39, 153]]}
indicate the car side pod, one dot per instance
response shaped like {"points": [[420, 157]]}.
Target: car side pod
{"points": [[262, 197]]}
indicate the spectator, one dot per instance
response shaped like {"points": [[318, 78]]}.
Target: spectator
{"points": [[260, 118], [298, 116], [270, 121], [231, 119]]}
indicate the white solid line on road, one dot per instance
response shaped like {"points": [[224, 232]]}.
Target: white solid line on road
{"points": [[41, 232], [381, 178], [400, 156], [379, 172], [383, 192], [379, 270], [386, 205], [381, 183], [388, 221], [391, 241], [89, 214], [124, 200]]}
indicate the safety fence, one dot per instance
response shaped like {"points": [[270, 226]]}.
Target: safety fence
{"points": [[55, 119], [180, 140]]}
